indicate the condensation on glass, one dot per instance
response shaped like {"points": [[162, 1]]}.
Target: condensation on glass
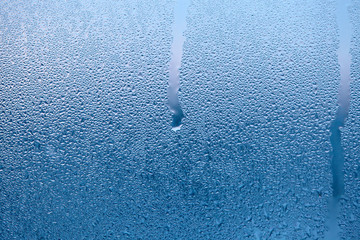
{"points": [[268, 147]]}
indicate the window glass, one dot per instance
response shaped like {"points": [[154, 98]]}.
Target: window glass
{"points": [[179, 119]]}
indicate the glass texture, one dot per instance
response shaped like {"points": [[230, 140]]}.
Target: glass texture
{"points": [[180, 119]]}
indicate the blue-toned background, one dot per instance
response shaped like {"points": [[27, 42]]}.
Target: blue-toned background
{"points": [[86, 145]]}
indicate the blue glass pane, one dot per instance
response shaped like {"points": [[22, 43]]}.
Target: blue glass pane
{"points": [[179, 119]]}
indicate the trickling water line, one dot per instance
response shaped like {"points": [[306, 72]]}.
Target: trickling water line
{"points": [[175, 62], [344, 59], [337, 163]]}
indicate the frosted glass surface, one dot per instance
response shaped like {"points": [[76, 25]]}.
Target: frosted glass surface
{"points": [[123, 119]]}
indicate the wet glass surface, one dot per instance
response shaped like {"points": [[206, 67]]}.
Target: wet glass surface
{"points": [[263, 97]]}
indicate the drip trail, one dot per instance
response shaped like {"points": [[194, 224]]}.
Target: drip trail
{"points": [[175, 62], [337, 163]]}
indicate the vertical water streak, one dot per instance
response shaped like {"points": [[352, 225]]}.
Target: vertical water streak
{"points": [[175, 62], [337, 163]]}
